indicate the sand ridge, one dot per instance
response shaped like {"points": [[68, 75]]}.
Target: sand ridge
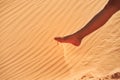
{"points": [[28, 50]]}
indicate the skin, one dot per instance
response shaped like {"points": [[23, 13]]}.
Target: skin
{"points": [[97, 21]]}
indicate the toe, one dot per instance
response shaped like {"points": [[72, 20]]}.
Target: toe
{"points": [[58, 39]]}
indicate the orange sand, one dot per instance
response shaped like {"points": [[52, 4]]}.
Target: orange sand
{"points": [[28, 50]]}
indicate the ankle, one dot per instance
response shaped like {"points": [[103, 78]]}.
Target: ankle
{"points": [[78, 36]]}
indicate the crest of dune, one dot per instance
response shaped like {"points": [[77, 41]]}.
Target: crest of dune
{"points": [[28, 50]]}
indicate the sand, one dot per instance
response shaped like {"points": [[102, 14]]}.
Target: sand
{"points": [[28, 50]]}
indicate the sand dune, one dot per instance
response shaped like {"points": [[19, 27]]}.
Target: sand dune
{"points": [[28, 50]]}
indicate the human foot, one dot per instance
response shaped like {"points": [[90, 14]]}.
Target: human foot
{"points": [[69, 39]]}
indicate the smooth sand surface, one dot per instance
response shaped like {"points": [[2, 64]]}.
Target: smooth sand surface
{"points": [[28, 50]]}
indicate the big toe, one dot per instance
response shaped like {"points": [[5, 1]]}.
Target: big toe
{"points": [[59, 39]]}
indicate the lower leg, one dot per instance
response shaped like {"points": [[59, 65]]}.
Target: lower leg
{"points": [[97, 21]]}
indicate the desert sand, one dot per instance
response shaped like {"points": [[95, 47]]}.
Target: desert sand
{"points": [[28, 50]]}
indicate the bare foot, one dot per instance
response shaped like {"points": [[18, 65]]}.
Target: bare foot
{"points": [[69, 39]]}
